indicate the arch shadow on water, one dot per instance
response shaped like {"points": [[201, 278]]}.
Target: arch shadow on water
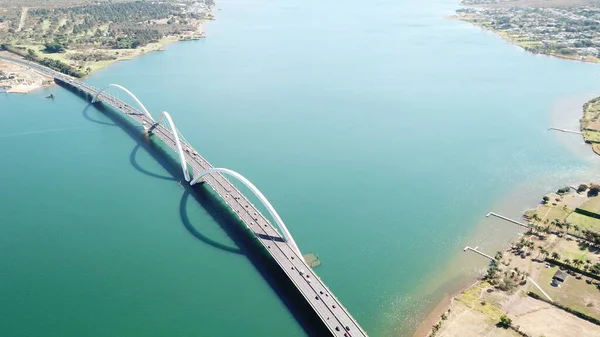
{"points": [[173, 174], [87, 116], [188, 225], [137, 166], [242, 237]]}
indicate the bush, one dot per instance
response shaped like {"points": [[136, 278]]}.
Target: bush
{"points": [[563, 190], [546, 199], [505, 322], [593, 191], [54, 47]]}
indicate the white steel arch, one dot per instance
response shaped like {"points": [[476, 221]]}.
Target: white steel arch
{"points": [[95, 99], [278, 221], [184, 167]]}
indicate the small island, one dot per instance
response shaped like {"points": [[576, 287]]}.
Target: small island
{"points": [[78, 37]]}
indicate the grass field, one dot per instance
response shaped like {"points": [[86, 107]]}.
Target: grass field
{"points": [[591, 136], [573, 293], [584, 221], [572, 250], [472, 299], [551, 212], [592, 205]]}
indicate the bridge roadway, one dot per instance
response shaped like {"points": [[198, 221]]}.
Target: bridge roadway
{"points": [[328, 308]]}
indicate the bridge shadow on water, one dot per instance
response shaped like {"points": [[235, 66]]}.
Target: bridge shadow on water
{"points": [[245, 242]]}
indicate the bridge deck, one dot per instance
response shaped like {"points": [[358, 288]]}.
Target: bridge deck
{"points": [[329, 309]]}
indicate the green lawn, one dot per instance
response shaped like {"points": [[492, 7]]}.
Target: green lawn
{"points": [[591, 136], [584, 221], [551, 212], [592, 205], [472, 298], [573, 293]]}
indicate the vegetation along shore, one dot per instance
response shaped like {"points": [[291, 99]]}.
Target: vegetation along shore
{"points": [[78, 37], [567, 29], [547, 283]]}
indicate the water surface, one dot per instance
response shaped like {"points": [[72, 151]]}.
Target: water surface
{"points": [[382, 132]]}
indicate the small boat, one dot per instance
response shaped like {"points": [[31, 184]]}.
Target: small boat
{"points": [[50, 96]]}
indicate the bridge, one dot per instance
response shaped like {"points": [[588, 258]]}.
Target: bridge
{"points": [[278, 242]]}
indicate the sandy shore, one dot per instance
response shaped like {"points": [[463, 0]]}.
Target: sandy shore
{"points": [[21, 80], [434, 316]]}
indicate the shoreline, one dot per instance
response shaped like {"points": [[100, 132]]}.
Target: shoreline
{"points": [[529, 195], [507, 38], [131, 54], [451, 302], [441, 307]]}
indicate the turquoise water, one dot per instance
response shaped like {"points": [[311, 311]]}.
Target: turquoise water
{"points": [[381, 131]]}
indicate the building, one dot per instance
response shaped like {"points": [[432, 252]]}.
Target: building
{"points": [[558, 278]]}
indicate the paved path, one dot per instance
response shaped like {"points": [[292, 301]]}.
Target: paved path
{"points": [[328, 308]]}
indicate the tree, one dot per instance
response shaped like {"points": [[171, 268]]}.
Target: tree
{"points": [[545, 199], [541, 250], [567, 261], [555, 256], [54, 47], [593, 191], [498, 256], [505, 322]]}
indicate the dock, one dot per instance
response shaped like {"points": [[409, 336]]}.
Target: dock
{"points": [[565, 130], [507, 219]]}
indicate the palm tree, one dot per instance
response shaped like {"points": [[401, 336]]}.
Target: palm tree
{"points": [[577, 262], [567, 225], [545, 252], [567, 261], [541, 251], [555, 256], [559, 225], [531, 245], [576, 228], [535, 217]]}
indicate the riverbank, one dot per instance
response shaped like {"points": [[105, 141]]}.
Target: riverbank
{"points": [[18, 79], [564, 29], [563, 233], [26, 80], [78, 38]]}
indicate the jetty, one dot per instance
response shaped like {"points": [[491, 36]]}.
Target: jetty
{"points": [[565, 130], [479, 252], [507, 219]]}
